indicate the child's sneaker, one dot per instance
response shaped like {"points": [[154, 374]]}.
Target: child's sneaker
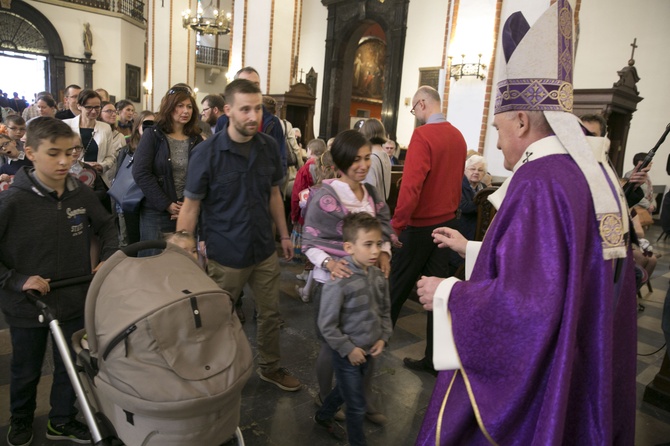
{"points": [[20, 432], [73, 430], [301, 292], [334, 429]]}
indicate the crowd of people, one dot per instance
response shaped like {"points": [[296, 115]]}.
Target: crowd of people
{"points": [[545, 312]]}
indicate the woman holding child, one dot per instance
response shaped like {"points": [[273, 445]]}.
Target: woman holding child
{"points": [[322, 236], [96, 136], [161, 161]]}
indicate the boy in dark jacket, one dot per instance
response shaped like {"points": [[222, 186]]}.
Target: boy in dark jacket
{"points": [[355, 321], [46, 220]]}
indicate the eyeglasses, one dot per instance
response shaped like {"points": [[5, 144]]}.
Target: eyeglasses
{"points": [[110, 111], [77, 148], [179, 90], [17, 129], [412, 111], [92, 107], [205, 109]]}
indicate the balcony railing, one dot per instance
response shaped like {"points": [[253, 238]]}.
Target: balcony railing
{"points": [[211, 56], [131, 8]]}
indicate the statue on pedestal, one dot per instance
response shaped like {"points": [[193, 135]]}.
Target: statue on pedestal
{"points": [[88, 40]]}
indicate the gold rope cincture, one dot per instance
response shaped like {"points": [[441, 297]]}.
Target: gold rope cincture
{"points": [[475, 408], [438, 431]]}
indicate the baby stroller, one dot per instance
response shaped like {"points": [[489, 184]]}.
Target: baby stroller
{"points": [[166, 359], [102, 433]]}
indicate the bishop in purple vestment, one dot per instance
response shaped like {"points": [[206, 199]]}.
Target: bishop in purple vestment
{"points": [[541, 340]]}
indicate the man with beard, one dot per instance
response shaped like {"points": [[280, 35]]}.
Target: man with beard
{"points": [[212, 109], [233, 185], [269, 125]]}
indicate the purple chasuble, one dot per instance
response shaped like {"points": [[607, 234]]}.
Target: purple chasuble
{"points": [[546, 339]]}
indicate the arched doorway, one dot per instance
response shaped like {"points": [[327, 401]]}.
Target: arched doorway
{"points": [[348, 22], [23, 29]]}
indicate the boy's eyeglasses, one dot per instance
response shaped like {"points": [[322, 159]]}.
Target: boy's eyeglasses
{"points": [[17, 129], [77, 148]]}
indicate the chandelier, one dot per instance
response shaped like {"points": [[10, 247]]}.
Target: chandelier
{"points": [[218, 24]]}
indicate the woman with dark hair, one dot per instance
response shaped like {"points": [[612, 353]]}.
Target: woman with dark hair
{"points": [[161, 162], [46, 106], [380, 168], [322, 236], [96, 136], [125, 111]]}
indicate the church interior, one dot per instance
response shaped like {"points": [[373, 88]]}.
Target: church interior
{"points": [[329, 64]]}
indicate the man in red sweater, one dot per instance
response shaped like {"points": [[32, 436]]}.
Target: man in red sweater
{"points": [[429, 196]]}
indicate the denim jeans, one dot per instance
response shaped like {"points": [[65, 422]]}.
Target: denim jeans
{"points": [[28, 348], [153, 225], [349, 390]]}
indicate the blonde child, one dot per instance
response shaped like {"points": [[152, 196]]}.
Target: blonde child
{"points": [[186, 241]]}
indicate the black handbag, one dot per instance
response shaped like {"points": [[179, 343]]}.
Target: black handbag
{"points": [[124, 190]]}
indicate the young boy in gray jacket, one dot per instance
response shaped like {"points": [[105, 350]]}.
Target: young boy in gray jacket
{"points": [[355, 320]]}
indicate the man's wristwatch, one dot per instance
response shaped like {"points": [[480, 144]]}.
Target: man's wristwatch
{"points": [[325, 262]]}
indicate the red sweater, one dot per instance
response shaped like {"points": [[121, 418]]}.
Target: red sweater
{"points": [[430, 190], [303, 180]]}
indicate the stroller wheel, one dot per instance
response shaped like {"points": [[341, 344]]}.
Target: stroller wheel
{"points": [[236, 440]]}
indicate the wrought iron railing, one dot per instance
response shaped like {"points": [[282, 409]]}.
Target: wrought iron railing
{"points": [[130, 8], [211, 56]]}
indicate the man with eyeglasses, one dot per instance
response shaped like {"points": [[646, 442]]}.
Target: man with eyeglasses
{"points": [[71, 94], [212, 110], [429, 196]]}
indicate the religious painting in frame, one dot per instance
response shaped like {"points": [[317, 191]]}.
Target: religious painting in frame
{"points": [[369, 64], [133, 76]]}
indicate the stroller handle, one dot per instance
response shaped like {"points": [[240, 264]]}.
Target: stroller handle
{"points": [[34, 298], [132, 250]]}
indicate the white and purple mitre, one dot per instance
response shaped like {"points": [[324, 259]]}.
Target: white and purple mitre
{"points": [[538, 77]]}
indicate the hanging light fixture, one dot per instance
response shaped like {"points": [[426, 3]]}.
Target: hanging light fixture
{"points": [[463, 69], [219, 23]]}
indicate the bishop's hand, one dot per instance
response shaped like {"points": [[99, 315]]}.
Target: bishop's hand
{"points": [[450, 238]]}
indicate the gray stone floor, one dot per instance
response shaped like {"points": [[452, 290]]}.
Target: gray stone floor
{"points": [[270, 416]]}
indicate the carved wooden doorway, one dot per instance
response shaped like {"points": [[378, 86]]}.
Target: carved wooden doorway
{"points": [[352, 23]]}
